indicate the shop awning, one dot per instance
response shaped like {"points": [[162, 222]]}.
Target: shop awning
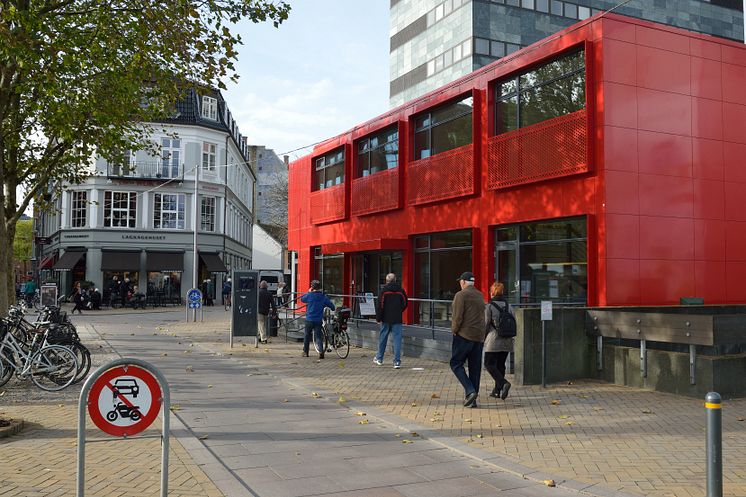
{"points": [[165, 262], [365, 246], [68, 260], [213, 262], [120, 261], [47, 262]]}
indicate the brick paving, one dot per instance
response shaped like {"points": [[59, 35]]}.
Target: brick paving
{"points": [[42, 460], [632, 440]]}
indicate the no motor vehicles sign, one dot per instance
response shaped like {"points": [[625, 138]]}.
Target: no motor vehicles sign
{"points": [[124, 400]]}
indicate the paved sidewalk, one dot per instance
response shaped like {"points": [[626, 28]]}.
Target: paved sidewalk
{"points": [[633, 440]]}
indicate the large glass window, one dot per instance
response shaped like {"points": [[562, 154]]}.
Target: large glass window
{"points": [[209, 156], [170, 157], [207, 219], [79, 209], [378, 152], [120, 209], [168, 212], [439, 260], [552, 90], [210, 108], [543, 261], [329, 270], [443, 129], [329, 170]]}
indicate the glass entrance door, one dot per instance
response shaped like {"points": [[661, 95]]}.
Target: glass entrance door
{"points": [[506, 267]]}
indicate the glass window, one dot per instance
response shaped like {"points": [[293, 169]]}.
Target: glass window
{"points": [[556, 6], [170, 157], [542, 5], [571, 10], [378, 152], [583, 12], [497, 49], [329, 170], [168, 212], [552, 90], [457, 53], [466, 48], [120, 209], [209, 156], [78, 213], [164, 287], [329, 270], [210, 108], [207, 219], [481, 46], [527, 4], [545, 261], [444, 128], [439, 259]]}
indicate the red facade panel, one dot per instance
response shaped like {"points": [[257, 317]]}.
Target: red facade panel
{"points": [[557, 147], [446, 175], [375, 193], [328, 205]]}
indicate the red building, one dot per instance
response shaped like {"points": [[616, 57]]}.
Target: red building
{"points": [[605, 164]]}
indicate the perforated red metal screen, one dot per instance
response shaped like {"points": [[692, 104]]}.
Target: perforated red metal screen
{"points": [[328, 205], [445, 175], [554, 148], [375, 193]]}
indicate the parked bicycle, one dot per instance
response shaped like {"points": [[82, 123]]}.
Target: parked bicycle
{"points": [[334, 332], [48, 351]]}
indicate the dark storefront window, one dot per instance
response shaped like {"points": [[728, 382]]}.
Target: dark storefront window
{"points": [[329, 270], [164, 287], [329, 170], [552, 90], [439, 259], [443, 129], [378, 152], [543, 261]]}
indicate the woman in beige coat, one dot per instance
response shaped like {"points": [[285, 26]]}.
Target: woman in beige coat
{"points": [[496, 348]]}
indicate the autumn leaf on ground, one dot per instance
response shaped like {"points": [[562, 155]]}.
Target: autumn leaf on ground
{"points": [[737, 419], [342, 399], [340, 365], [204, 437], [360, 413], [397, 435], [189, 369], [564, 416], [415, 434], [363, 422], [176, 407], [569, 423], [556, 402], [435, 420], [468, 420], [647, 411], [435, 396], [479, 435], [550, 483], [315, 395], [209, 386], [414, 404], [405, 441], [285, 400]]}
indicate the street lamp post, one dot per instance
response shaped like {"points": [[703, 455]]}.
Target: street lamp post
{"points": [[196, 227]]}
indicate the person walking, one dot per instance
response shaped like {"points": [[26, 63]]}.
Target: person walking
{"points": [[227, 293], [78, 299], [316, 301], [391, 304], [30, 291], [467, 326], [498, 343], [266, 301]]}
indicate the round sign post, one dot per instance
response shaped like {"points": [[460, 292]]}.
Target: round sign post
{"points": [[194, 302], [123, 398]]}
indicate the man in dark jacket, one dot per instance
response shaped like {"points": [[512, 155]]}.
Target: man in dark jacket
{"points": [[391, 304], [265, 302], [316, 301], [468, 330]]}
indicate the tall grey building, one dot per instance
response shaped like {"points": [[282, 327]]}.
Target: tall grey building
{"points": [[434, 42], [271, 188]]}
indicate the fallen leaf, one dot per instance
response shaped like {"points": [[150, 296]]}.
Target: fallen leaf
{"points": [[132, 334], [415, 434], [60, 405], [569, 383], [435, 420], [405, 441], [204, 437], [598, 408], [164, 354], [479, 435], [435, 396], [176, 407], [556, 402], [468, 420], [315, 395], [550, 483], [189, 369], [342, 399], [414, 404], [360, 413], [363, 422], [285, 400], [340, 365], [209, 386], [569, 423], [397, 435], [647, 411], [738, 419], [2, 393], [563, 417]]}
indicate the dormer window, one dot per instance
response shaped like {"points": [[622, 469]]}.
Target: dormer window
{"points": [[210, 108]]}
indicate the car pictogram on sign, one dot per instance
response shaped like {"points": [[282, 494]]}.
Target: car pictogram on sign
{"points": [[126, 386]]}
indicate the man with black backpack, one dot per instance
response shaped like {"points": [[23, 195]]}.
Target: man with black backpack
{"points": [[500, 327]]}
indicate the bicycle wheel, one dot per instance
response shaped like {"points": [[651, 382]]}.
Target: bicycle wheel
{"points": [[7, 366], [342, 344], [53, 368], [84, 361]]}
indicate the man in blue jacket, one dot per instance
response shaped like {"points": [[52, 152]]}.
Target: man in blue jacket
{"points": [[315, 301]]}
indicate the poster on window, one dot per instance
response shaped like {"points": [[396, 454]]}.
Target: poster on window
{"points": [[367, 305]]}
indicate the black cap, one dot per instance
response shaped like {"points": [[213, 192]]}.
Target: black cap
{"points": [[467, 276], [316, 284]]}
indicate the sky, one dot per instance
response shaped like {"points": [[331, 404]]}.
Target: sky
{"points": [[323, 71]]}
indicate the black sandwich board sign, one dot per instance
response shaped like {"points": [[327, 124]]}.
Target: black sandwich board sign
{"points": [[244, 303]]}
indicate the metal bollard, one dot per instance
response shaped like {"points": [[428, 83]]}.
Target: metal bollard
{"points": [[714, 412]]}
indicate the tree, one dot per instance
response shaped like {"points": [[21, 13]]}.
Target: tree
{"points": [[275, 198], [80, 77], [22, 240]]}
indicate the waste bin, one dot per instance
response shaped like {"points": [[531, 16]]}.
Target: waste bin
{"points": [[274, 324]]}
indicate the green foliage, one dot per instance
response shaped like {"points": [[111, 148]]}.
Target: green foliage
{"points": [[22, 241]]}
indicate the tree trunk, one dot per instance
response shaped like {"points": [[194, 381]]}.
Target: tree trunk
{"points": [[11, 285], [6, 262]]}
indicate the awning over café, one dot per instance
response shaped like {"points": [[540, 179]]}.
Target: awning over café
{"points": [[68, 260], [120, 261]]}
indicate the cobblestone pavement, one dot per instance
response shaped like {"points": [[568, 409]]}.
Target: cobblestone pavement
{"points": [[637, 441], [41, 460]]}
